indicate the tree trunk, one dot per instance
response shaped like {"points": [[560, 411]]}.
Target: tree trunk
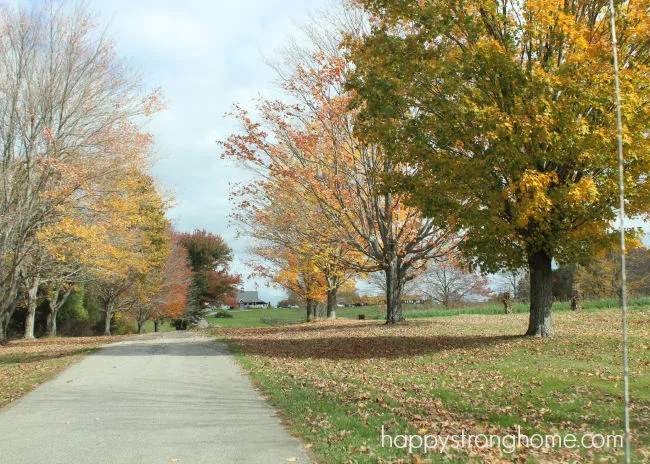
{"points": [[107, 322], [155, 325], [7, 308], [51, 321], [394, 285], [29, 321], [3, 332], [4, 323], [507, 302], [331, 303], [54, 304], [140, 324], [32, 294], [541, 296], [310, 310]]}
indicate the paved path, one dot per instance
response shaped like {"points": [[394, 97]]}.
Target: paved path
{"points": [[157, 398]]}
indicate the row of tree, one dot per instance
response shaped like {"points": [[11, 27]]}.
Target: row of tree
{"points": [[477, 132], [78, 211]]}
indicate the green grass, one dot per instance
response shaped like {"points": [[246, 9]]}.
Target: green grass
{"points": [[281, 316], [148, 327], [253, 317], [338, 382]]}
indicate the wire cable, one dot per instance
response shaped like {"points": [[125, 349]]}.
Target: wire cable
{"points": [[622, 231]]}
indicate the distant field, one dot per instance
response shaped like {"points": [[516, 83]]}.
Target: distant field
{"points": [[281, 316], [148, 327], [338, 382], [284, 316]]}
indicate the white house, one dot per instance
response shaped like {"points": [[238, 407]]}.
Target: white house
{"points": [[250, 300]]}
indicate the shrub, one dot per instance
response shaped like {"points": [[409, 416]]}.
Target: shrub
{"points": [[223, 314]]}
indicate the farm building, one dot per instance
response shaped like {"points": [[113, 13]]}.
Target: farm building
{"points": [[250, 299]]}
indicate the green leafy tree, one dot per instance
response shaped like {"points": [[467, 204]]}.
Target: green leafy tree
{"points": [[506, 112]]}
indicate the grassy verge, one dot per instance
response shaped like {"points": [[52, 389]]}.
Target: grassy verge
{"points": [[273, 317], [338, 382], [24, 364]]}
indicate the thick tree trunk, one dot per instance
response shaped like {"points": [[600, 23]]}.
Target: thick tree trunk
{"points": [[155, 325], [311, 308], [331, 303], [140, 324], [51, 321], [29, 321], [394, 285], [54, 304], [7, 308], [107, 322], [3, 332], [4, 323], [5, 317], [32, 294], [541, 296]]}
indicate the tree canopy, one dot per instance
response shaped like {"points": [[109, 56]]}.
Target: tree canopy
{"points": [[506, 112]]}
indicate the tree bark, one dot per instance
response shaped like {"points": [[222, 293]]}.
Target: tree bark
{"points": [[5, 317], [541, 295], [155, 325], [107, 323], [3, 332], [7, 308], [310, 310], [331, 303], [54, 304], [394, 286], [51, 322], [29, 321], [32, 299]]}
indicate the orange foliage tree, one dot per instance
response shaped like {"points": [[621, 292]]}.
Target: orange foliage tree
{"points": [[308, 148], [170, 299]]}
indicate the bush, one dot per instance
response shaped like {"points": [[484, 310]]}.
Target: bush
{"points": [[179, 324], [223, 314]]}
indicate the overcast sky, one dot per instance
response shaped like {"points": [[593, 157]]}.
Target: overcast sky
{"points": [[205, 55]]}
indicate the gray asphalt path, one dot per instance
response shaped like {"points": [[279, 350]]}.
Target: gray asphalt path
{"points": [[157, 398]]}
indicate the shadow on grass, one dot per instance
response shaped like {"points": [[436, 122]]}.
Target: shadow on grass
{"points": [[365, 347]]}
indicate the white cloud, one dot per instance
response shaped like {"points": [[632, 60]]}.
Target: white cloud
{"points": [[205, 55]]}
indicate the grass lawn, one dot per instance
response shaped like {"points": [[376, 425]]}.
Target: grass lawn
{"points": [[149, 326], [285, 316], [26, 363], [338, 382], [282, 316]]}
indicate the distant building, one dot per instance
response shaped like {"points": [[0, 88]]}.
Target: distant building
{"points": [[250, 300]]}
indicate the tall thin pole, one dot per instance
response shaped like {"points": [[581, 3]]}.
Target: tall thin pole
{"points": [[622, 230]]}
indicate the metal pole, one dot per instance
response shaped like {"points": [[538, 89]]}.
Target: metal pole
{"points": [[622, 230]]}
